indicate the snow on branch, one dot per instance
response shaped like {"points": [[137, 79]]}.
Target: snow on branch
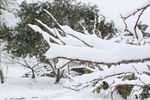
{"points": [[138, 34], [52, 18], [108, 57], [90, 48], [63, 28], [45, 35], [115, 76], [71, 45], [46, 27]]}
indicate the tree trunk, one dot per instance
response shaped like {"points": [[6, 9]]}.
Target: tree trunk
{"points": [[33, 74], [57, 76], [1, 77]]}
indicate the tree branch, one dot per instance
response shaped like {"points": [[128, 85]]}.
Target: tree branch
{"points": [[142, 9], [63, 30], [106, 63]]}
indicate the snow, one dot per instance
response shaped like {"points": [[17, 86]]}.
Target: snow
{"points": [[45, 34], [17, 88], [9, 19], [139, 34], [115, 55], [113, 76], [113, 70], [8, 16], [77, 46], [33, 1], [90, 48], [101, 51]]}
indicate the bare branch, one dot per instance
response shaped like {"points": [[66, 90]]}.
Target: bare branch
{"points": [[135, 69], [142, 9], [126, 26], [137, 23], [81, 40], [66, 64], [148, 67], [136, 11]]}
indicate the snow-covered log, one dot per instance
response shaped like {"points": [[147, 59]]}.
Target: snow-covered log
{"points": [[121, 54], [70, 45]]}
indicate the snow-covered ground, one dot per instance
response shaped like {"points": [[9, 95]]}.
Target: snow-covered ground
{"points": [[18, 88]]}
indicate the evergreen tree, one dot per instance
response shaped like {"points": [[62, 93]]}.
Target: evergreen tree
{"points": [[1, 4], [68, 12], [1, 7], [9, 7]]}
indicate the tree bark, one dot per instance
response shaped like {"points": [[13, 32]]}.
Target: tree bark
{"points": [[33, 74], [58, 75], [105, 63], [1, 77]]}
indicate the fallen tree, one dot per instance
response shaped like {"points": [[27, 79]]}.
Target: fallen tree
{"points": [[128, 71]]}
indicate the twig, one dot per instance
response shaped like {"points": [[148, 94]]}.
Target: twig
{"points": [[137, 10], [142, 9], [66, 64], [148, 67], [135, 69], [126, 26], [112, 92], [137, 22], [80, 40]]}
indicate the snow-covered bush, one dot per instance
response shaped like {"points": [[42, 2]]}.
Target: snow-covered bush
{"points": [[126, 67], [36, 68]]}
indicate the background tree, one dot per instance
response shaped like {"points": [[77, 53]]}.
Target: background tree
{"points": [[6, 7], [1, 72], [24, 41], [1, 5]]}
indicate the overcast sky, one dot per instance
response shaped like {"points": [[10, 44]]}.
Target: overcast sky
{"points": [[112, 9]]}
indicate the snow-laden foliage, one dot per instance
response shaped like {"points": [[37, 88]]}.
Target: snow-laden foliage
{"points": [[128, 66], [8, 13]]}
